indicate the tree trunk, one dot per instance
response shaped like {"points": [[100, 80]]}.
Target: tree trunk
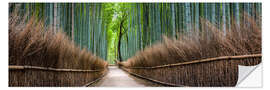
{"points": [[119, 41]]}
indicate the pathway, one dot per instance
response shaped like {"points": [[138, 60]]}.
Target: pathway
{"points": [[119, 78]]}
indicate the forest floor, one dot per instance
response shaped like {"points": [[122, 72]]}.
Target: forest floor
{"points": [[118, 78]]}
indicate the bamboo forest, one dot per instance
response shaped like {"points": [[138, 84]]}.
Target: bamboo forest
{"points": [[164, 44]]}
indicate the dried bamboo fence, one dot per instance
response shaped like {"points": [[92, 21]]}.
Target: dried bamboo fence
{"points": [[218, 71], [30, 76]]}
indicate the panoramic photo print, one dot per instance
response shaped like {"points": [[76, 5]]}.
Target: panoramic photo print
{"points": [[133, 44]]}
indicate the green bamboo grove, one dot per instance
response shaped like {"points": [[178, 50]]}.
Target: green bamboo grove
{"points": [[147, 22], [118, 30], [83, 23]]}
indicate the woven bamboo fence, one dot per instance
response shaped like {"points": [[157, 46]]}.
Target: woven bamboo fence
{"points": [[33, 76], [218, 71]]}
